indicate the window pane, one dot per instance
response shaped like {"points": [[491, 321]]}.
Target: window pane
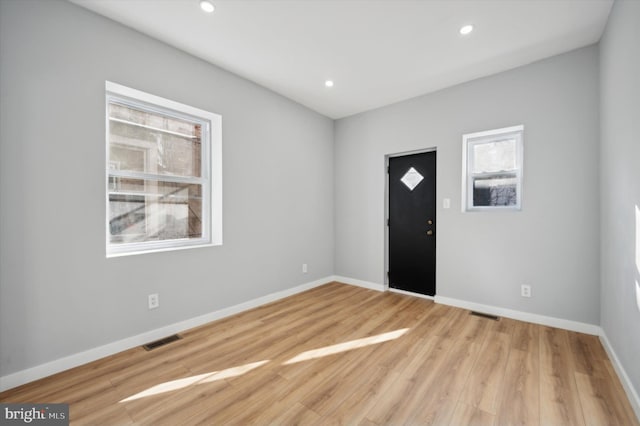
{"points": [[495, 191], [495, 156], [412, 178], [150, 142], [147, 210]]}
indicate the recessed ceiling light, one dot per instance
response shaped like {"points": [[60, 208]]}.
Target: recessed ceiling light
{"points": [[207, 6], [328, 83], [466, 29]]}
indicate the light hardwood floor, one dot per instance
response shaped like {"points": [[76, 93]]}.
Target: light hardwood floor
{"points": [[339, 354]]}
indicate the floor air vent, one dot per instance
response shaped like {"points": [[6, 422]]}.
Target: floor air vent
{"points": [[161, 342], [489, 316]]}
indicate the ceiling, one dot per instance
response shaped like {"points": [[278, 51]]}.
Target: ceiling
{"points": [[376, 51]]}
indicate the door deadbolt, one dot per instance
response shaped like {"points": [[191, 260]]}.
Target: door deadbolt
{"points": [[429, 222]]}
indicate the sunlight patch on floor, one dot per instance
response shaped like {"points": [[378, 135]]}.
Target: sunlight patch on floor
{"points": [[177, 384], [233, 371], [347, 346]]}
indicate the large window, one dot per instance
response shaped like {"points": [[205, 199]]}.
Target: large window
{"points": [[164, 188], [492, 169]]}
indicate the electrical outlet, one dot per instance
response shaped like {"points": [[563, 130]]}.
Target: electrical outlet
{"points": [[525, 290], [304, 268], [154, 301]]}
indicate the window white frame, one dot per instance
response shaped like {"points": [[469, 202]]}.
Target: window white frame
{"points": [[211, 170], [496, 135]]}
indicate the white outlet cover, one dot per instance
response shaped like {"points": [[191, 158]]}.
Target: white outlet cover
{"points": [[154, 301], [446, 203]]}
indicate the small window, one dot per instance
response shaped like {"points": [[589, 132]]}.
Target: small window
{"points": [[164, 171], [492, 169]]}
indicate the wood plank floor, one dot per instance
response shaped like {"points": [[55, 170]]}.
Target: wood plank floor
{"points": [[339, 354]]}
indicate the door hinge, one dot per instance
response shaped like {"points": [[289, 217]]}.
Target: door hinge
{"points": [[387, 169], [387, 274], [387, 222]]}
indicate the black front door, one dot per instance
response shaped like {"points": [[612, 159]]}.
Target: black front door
{"points": [[412, 223]]}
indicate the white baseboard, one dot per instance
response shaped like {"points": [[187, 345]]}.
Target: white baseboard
{"points": [[56, 366], [359, 283], [580, 327], [488, 309], [43, 370], [632, 394]]}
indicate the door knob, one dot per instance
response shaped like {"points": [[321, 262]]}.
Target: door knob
{"points": [[429, 232]]}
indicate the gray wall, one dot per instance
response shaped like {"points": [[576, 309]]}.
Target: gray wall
{"points": [[552, 244], [620, 179], [59, 295]]}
